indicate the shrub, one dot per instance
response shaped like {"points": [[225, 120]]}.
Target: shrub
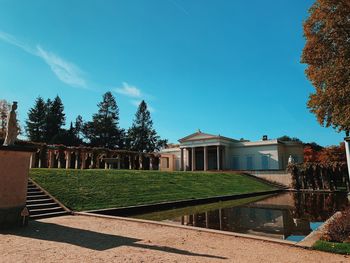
{"points": [[319, 176], [338, 229]]}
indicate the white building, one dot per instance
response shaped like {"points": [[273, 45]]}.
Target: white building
{"points": [[202, 151]]}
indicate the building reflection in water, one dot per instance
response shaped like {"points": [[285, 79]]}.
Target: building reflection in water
{"points": [[285, 216]]}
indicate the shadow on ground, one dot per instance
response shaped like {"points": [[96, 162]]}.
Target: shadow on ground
{"points": [[89, 239]]}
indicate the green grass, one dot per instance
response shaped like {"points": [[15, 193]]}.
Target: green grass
{"points": [[96, 189], [339, 248]]}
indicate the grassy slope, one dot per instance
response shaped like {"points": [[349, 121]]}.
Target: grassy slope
{"points": [[340, 248], [97, 189]]}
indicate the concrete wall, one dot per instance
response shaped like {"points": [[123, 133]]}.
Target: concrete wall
{"points": [[14, 168], [281, 176]]}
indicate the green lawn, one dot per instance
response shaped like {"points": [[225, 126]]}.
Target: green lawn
{"points": [[96, 189], [340, 248]]}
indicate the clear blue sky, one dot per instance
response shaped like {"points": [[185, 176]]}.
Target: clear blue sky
{"points": [[226, 67]]}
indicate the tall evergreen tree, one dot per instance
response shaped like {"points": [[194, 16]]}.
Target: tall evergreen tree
{"points": [[78, 126], [103, 130], [36, 122], [141, 136], [55, 119]]}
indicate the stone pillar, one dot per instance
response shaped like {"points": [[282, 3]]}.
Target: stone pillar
{"points": [[97, 162], [51, 159], [106, 165], [118, 162], [151, 163], [130, 162], [205, 149], [193, 158], [92, 162], [76, 160], [83, 161], [182, 167], [223, 158], [58, 159], [347, 149], [32, 160], [218, 157], [68, 159], [140, 162]]}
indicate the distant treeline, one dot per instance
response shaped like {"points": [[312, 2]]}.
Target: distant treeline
{"points": [[46, 121]]}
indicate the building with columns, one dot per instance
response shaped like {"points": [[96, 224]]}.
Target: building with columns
{"points": [[202, 152]]}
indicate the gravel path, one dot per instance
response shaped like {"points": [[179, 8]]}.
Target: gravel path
{"points": [[91, 239]]}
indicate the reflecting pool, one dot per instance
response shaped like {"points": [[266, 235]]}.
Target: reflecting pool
{"points": [[288, 216]]}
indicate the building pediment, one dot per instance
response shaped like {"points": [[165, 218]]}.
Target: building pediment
{"points": [[200, 136]]}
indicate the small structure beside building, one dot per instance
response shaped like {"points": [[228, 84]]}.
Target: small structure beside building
{"points": [[202, 152]]}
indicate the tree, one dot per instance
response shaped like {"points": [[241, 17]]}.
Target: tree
{"points": [[141, 136], [4, 110], [332, 154], [286, 138], [103, 130], [36, 122], [55, 119], [78, 126], [327, 55]]}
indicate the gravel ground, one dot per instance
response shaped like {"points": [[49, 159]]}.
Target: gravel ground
{"points": [[91, 239]]}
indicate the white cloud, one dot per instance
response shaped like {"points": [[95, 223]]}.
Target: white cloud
{"points": [[64, 70], [128, 90]]}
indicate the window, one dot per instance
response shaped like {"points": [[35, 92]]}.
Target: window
{"points": [[235, 163], [249, 162], [265, 162]]}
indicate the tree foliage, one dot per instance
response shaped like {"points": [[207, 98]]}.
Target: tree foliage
{"points": [[286, 138], [55, 119], [103, 130], [327, 55], [142, 137], [36, 122], [4, 110]]}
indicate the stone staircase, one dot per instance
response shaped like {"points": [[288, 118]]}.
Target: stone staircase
{"points": [[41, 204]]}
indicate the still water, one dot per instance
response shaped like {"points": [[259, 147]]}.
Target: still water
{"points": [[288, 216]]}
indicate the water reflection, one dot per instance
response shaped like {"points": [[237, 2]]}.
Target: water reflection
{"points": [[289, 216]]}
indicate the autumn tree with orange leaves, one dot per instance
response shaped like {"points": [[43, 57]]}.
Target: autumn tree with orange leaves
{"points": [[327, 55]]}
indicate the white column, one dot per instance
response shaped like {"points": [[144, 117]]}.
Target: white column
{"points": [[140, 162], [205, 149], [76, 160], [151, 163], [32, 160], [67, 157], [347, 149], [182, 167], [118, 164], [130, 162], [193, 158], [218, 157]]}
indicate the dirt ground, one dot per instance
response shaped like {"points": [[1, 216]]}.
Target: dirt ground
{"points": [[91, 239]]}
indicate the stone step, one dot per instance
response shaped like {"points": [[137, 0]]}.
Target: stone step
{"points": [[47, 204], [34, 197], [34, 191], [38, 201], [38, 211], [46, 215]]}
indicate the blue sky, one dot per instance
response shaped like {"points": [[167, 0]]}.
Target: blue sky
{"points": [[226, 67]]}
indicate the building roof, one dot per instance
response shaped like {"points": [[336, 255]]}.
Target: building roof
{"points": [[203, 136]]}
